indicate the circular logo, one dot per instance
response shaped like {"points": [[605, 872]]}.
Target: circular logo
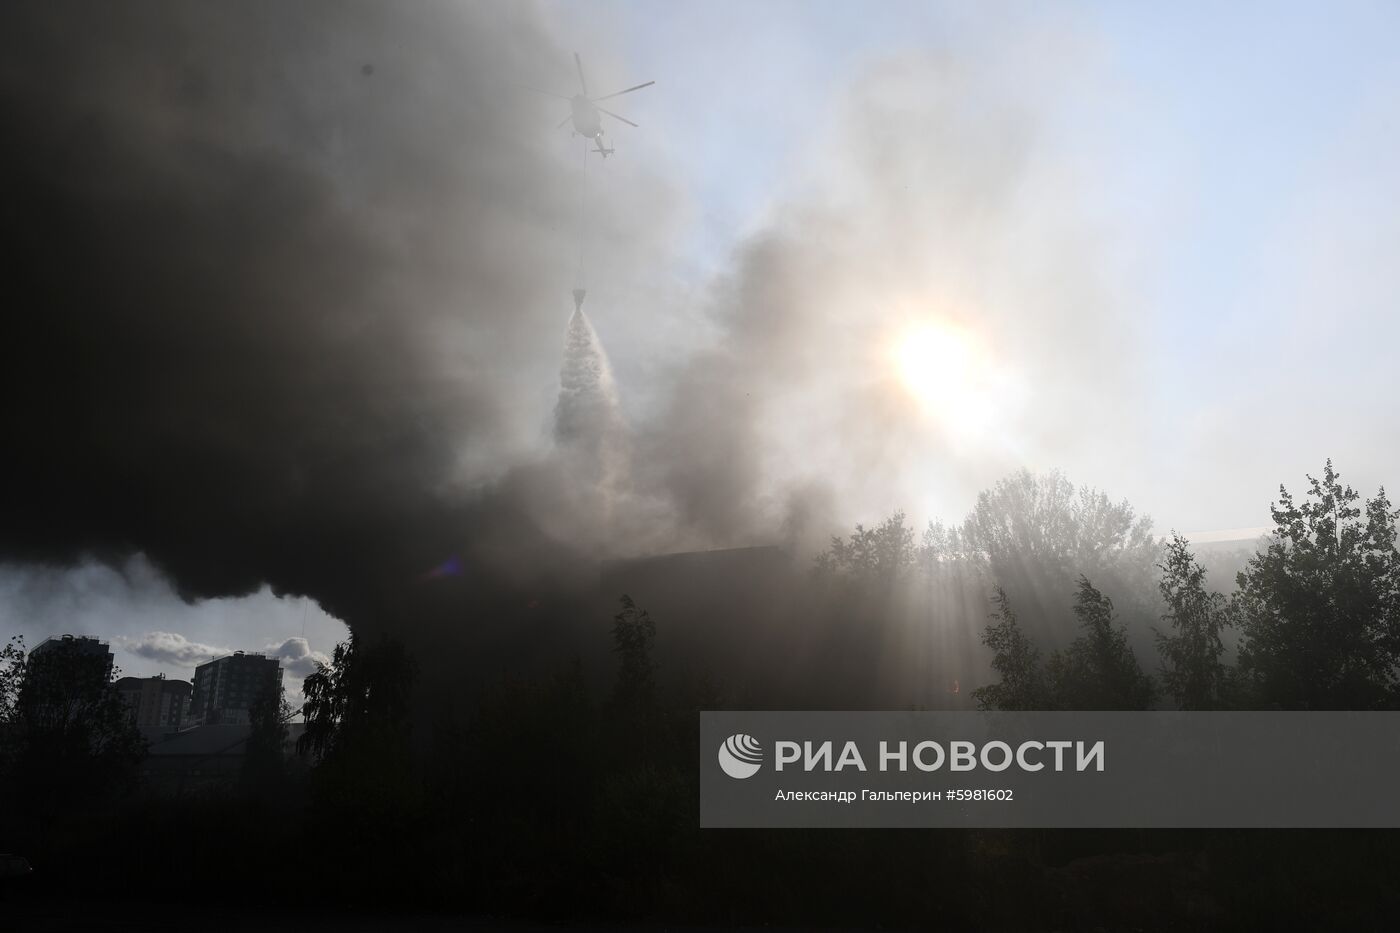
{"points": [[740, 756]]}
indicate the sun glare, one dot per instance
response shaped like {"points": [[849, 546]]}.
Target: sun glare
{"points": [[948, 371]]}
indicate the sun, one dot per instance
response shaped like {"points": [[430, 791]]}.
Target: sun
{"points": [[949, 372], [935, 362]]}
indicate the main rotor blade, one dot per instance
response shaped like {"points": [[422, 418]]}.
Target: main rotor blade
{"points": [[567, 118], [620, 93], [616, 117], [583, 82]]}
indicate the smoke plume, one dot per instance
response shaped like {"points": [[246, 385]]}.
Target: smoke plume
{"points": [[286, 282]]}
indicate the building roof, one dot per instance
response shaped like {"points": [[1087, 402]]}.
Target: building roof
{"points": [[721, 563], [207, 741], [82, 641], [241, 656], [134, 683], [220, 739]]}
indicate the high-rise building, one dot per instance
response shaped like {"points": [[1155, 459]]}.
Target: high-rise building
{"points": [[74, 646], [226, 689], [65, 675], [156, 703]]}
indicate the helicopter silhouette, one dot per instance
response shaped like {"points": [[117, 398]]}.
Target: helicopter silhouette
{"points": [[586, 115]]}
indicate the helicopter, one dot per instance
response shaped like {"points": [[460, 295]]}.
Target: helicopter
{"points": [[585, 113]]}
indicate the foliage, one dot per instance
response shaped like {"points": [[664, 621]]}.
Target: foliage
{"points": [[1320, 607], [70, 741], [896, 605], [1022, 685], [364, 689], [263, 763], [1026, 520], [1192, 669], [1099, 670], [633, 633], [941, 546], [883, 553], [11, 678], [358, 730], [1044, 520], [1035, 534]]}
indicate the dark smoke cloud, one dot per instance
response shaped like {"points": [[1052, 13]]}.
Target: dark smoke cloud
{"points": [[288, 300], [285, 283]]}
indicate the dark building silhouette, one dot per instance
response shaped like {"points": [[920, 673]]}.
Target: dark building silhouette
{"points": [[96, 653], [226, 688], [764, 630], [718, 612], [202, 759], [64, 674], [720, 574], [156, 703]]}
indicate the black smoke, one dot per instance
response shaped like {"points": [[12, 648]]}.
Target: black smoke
{"points": [[287, 300], [281, 281]]}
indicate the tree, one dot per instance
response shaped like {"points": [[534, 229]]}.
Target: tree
{"points": [[1034, 534], [1044, 520], [359, 730], [1191, 650], [361, 695], [263, 764], [1320, 607], [942, 544], [1016, 659], [1099, 670], [11, 678], [633, 632], [11, 682], [881, 554], [70, 738], [363, 788]]}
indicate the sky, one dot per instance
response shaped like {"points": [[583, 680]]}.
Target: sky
{"points": [[1231, 162], [855, 258], [150, 630]]}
